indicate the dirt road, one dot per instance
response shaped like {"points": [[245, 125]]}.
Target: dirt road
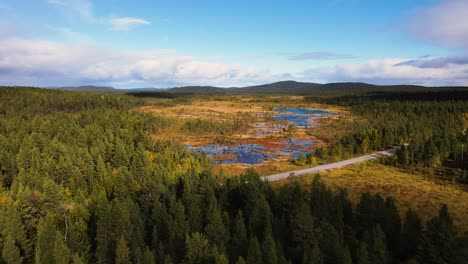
{"points": [[329, 166]]}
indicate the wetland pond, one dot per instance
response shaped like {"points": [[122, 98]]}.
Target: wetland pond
{"points": [[268, 149]]}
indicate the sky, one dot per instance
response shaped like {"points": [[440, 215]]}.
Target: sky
{"points": [[136, 44]]}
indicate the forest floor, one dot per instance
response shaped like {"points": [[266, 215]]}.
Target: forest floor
{"points": [[409, 190]]}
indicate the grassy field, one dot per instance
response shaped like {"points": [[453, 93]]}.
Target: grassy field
{"points": [[410, 191]]}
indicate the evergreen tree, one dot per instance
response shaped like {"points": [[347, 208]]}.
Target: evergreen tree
{"points": [[11, 253], [122, 252], [215, 230], [198, 250], [379, 251], [411, 235], [362, 255], [269, 248], [254, 253], [46, 236], [103, 228], [61, 251], [239, 237], [76, 259], [302, 228], [14, 228], [437, 243], [313, 256], [241, 260]]}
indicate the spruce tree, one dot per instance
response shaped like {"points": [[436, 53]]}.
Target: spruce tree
{"points": [[239, 237], [410, 236], [46, 236], [215, 230], [198, 249], [122, 252], [11, 253], [61, 251], [269, 248], [254, 253]]}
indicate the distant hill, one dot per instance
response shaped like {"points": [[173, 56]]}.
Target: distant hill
{"points": [[278, 87], [199, 90], [150, 94], [283, 87], [299, 88], [87, 88]]}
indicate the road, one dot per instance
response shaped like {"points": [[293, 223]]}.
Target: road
{"points": [[329, 166]]}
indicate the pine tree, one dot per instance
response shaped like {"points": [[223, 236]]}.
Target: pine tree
{"points": [[269, 248], [239, 237], [53, 197], [10, 252], [411, 235], [76, 259], [119, 155], [215, 230], [219, 258], [331, 245], [391, 224], [148, 257], [46, 236], [140, 164], [378, 252], [254, 253], [241, 260], [316, 255], [103, 228], [197, 249], [437, 243], [61, 251], [14, 227], [122, 252], [302, 228], [362, 255]]}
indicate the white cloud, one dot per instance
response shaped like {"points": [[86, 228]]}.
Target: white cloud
{"points": [[126, 23], [445, 24], [45, 63], [392, 71]]}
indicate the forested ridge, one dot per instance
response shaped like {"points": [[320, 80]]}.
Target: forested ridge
{"points": [[83, 182]]}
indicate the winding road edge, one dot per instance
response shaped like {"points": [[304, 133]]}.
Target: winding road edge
{"points": [[329, 166]]}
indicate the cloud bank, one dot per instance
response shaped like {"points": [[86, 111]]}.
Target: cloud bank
{"points": [[445, 24], [441, 62], [396, 71], [45, 63]]}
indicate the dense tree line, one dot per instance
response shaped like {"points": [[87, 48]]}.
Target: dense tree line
{"points": [[82, 182], [206, 126]]}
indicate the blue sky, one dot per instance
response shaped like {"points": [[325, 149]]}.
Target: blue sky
{"points": [[232, 43]]}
